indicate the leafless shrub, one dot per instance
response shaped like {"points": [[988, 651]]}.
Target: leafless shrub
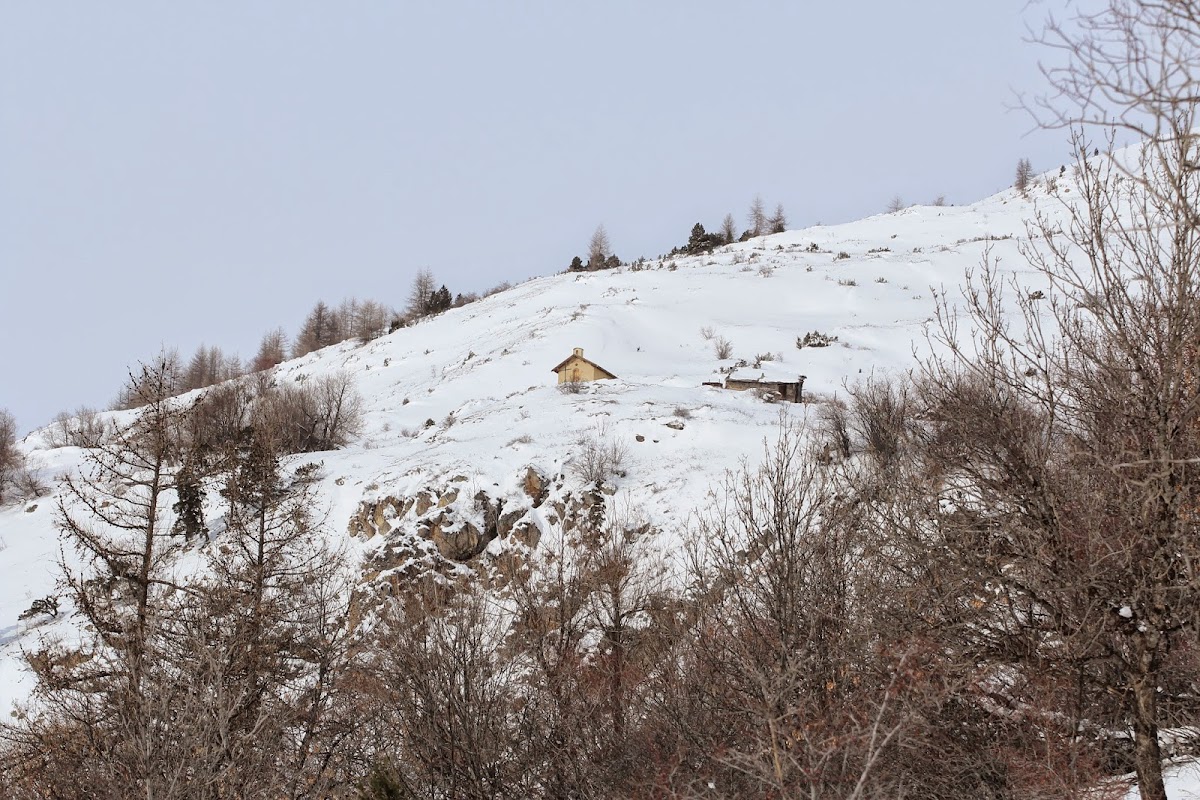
{"points": [[323, 414], [572, 386], [723, 348], [835, 427], [599, 457], [707, 333], [785, 642], [448, 702], [841, 256], [218, 419], [86, 427], [895, 204], [881, 419], [847, 282], [503, 286], [683, 412]]}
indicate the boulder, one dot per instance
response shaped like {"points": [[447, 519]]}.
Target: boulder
{"points": [[457, 540], [536, 486]]}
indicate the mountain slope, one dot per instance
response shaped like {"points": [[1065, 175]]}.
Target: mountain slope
{"points": [[463, 405]]}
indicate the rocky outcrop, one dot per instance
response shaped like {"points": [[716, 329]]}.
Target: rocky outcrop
{"points": [[444, 524], [536, 486]]}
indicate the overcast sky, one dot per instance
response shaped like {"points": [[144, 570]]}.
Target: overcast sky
{"points": [[186, 173]]}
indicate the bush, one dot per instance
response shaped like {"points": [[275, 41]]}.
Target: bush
{"points": [[600, 457], [723, 348], [841, 256], [85, 428], [220, 416], [814, 339], [323, 414]]}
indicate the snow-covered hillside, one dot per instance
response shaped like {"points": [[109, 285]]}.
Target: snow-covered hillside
{"points": [[466, 401]]}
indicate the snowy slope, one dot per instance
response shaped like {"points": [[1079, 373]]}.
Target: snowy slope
{"points": [[482, 374]]}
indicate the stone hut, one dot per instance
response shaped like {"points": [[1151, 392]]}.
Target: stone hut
{"points": [[576, 369], [786, 386]]}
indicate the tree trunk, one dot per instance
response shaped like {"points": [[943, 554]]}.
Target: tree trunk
{"points": [[1146, 753]]}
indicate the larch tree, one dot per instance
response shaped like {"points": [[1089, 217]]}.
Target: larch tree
{"points": [[1023, 175], [321, 328], [729, 229], [757, 217], [97, 702], [420, 295], [272, 350], [777, 223], [599, 249]]}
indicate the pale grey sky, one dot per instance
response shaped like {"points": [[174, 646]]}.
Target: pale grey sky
{"points": [[186, 173]]}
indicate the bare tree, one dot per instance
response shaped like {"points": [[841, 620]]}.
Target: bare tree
{"points": [[321, 328], [895, 204], [10, 457], [224, 684], [271, 351], [1024, 175], [791, 693], [1070, 458], [367, 320], [164, 380], [96, 703], [757, 217], [262, 640], [599, 249], [777, 223], [208, 366], [729, 229], [420, 296]]}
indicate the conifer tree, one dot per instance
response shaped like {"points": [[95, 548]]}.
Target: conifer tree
{"points": [[777, 222], [729, 229], [599, 249], [757, 217]]}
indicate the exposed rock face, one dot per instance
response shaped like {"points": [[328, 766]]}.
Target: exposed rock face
{"points": [[378, 518], [457, 540], [536, 486], [441, 523]]}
